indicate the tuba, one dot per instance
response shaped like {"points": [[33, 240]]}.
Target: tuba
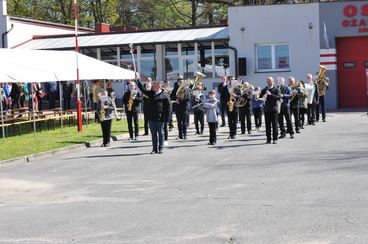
{"points": [[198, 78], [322, 81], [184, 90], [242, 101]]}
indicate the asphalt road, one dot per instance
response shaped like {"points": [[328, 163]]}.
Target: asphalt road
{"points": [[312, 189]]}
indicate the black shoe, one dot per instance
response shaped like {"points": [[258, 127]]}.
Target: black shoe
{"points": [[160, 151], [291, 136], [274, 141], [249, 132], [297, 131], [243, 133], [282, 136], [154, 151], [324, 120], [233, 137], [223, 125], [268, 142], [185, 137], [103, 145], [145, 134]]}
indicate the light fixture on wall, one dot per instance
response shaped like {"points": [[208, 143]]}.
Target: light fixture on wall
{"points": [[242, 28], [310, 26]]}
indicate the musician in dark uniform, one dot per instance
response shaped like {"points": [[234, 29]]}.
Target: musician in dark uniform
{"points": [[286, 95], [297, 90], [321, 105], [146, 108], [223, 102], [244, 111], [159, 113], [181, 108], [230, 92], [131, 100], [271, 94], [198, 98]]}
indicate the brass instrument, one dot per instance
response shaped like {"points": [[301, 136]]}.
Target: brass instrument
{"points": [[232, 100], [296, 86], [133, 95], [242, 101], [198, 78], [184, 89], [322, 81]]}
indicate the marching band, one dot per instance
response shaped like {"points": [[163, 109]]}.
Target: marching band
{"points": [[239, 100]]}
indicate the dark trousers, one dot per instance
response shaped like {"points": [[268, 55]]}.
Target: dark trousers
{"points": [[106, 131], [285, 113], [39, 99], [145, 113], [302, 112], [199, 119], [321, 106], [311, 113], [244, 114], [132, 117], [181, 117], [232, 118], [166, 131], [67, 103], [157, 134], [295, 113], [212, 126], [52, 100], [271, 125], [257, 113], [223, 105]]}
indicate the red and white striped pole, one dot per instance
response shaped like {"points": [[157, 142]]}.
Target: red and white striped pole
{"points": [[79, 102]]}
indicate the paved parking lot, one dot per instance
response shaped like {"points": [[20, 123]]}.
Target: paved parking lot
{"points": [[312, 189]]}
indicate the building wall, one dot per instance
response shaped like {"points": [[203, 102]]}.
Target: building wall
{"points": [[277, 24], [339, 25]]}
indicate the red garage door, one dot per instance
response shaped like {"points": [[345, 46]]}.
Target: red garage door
{"points": [[352, 57]]}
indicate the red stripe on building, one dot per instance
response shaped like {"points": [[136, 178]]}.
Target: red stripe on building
{"points": [[327, 63], [328, 55]]}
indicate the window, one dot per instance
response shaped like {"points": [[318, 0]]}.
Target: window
{"points": [[147, 61], [171, 63], [272, 57]]}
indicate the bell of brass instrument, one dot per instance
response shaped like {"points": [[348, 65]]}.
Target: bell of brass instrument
{"points": [[243, 99], [198, 78], [322, 81]]}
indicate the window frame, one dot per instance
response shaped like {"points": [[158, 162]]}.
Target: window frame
{"points": [[273, 58]]}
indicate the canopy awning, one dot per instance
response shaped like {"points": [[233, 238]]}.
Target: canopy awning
{"points": [[45, 66]]}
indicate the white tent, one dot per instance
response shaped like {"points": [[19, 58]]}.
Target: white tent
{"points": [[39, 65], [45, 66]]}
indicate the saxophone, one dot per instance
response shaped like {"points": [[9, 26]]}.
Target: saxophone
{"points": [[131, 100], [232, 100]]}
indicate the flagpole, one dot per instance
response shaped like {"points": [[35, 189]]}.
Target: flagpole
{"points": [[79, 102]]}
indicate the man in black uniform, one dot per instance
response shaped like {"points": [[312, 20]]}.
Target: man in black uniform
{"points": [[244, 111], [146, 108], [198, 98], [286, 95], [131, 100], [181, 109], [230, 92], [223, 102], [271, 94], [159, 114], [294, 102]]}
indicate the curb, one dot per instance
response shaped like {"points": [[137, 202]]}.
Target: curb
{"points": [[43, 155]]}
